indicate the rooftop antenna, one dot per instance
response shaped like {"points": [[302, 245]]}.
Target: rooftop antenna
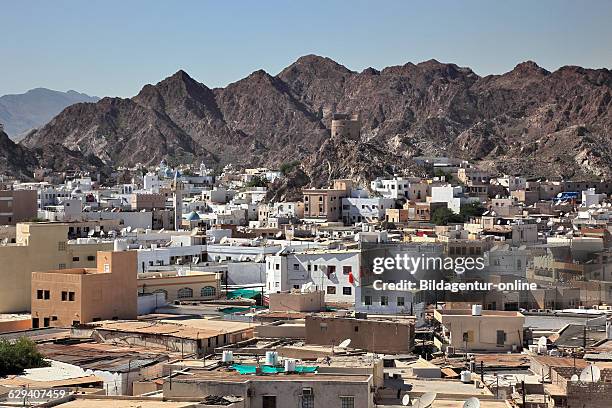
{"points": [[472, 402], [425, 400]]}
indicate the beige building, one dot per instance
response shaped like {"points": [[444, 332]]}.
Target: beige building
{"points": [[66, 297], [374, 335], [17, 206], [194, 285], [489, 330], [147, 201], [39, 247], [325, 204], [297, 301]]}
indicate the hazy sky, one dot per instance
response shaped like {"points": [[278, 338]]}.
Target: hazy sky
{"points": [[113, 48]]}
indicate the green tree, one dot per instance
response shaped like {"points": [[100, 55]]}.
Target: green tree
{"points": [[447, 176], [471, 210], [18, 356], [257, 181], [444, 216]]}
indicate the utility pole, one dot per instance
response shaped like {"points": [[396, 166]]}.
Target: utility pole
{"points": [[524, 396]]}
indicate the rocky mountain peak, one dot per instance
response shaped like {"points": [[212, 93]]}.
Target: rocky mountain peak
{"points": [[529, 68]]}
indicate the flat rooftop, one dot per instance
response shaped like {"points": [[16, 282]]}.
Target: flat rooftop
{"points": [[449, 388], [486, 313], [124, 403], [226, 375], [192, 329]]}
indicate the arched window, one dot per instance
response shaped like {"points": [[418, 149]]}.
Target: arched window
{"points": [[208, 291], [165, 292], [184, 293]]}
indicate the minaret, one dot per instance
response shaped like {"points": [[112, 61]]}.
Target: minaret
{"points": [[177, 201]]}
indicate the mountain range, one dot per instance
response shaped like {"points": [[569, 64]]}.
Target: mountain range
{"points": [[528, 120], [21, 113]]}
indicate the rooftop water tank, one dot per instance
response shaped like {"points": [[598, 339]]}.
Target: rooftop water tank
{"points": [[228, 356], [290, 365], [271, 358]]}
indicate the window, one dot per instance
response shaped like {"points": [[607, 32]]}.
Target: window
{"points": [[208, 291], [331, 269], [71, 296], [384, 301], [75, 259], [35, 323], [53, 318], [307, 401], [400, 301], [368, 300], [347, 270], [297, 287], [39, 294], [501, 337], [184, 293], [46, 322], [296, 267], [162, 291], [61, 246], [268, 401], [331, 290], [61, 266], [91, 258], [64, 296], [347, 290], [47, 295], [347, 402]]}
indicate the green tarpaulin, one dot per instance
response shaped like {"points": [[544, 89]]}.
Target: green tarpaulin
{"points": [[251, 369], [243, 293]]}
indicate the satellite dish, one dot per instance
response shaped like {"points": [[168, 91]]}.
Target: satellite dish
{"points": [[345, 343], [472, 402], [406, 400], [591, 373], [574, 378], [426, 400], [542, 341]]}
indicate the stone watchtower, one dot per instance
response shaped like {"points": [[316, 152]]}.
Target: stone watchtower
{"points": [[346, 126]]}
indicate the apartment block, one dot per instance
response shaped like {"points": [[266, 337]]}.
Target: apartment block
{"points": [[40, 247], [17, 206], [325, 205], [64, 297]]}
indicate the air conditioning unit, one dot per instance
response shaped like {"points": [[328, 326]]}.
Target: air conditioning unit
{"points": [[307, 391]]}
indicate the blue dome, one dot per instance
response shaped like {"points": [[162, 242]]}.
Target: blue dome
{"points": [[194, 216]]}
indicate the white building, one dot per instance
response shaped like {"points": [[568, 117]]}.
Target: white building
{"points": [[504, 260], [373, 299], [365, 209], [152, 183], [590, 198], [396, 187], [512, 183], [453, 196], [334, 271]]}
